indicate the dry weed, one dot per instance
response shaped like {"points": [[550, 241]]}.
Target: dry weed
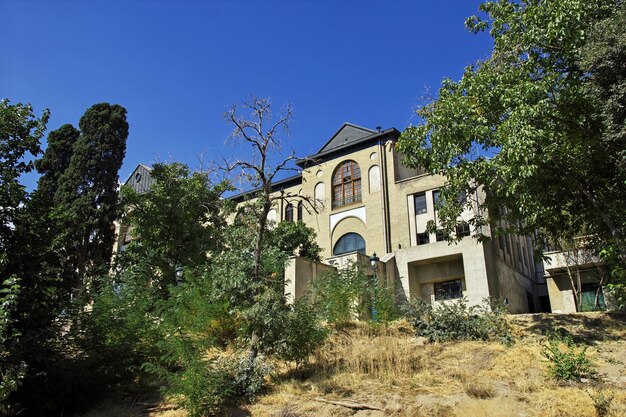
{"points": [[480, 389]]}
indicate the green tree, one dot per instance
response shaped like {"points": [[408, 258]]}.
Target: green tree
{"points": [[179, 222], [33, 258], [527, 126], [86, 202], [20, 135], [295, 238]]}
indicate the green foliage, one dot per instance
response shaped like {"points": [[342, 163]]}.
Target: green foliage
{"points": [[191, 323], [20, 135], [340, 294], [566, 361], [86, 202], [386, 304], [302, 333], [204, 386], [455, 320], [295, 238], [120, 331], [538, 126], [11, 365], [179, 222]]}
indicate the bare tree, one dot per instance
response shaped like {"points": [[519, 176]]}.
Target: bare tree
{"points": [[256, 127]]}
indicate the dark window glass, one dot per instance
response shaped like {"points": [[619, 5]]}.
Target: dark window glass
{"points": [[461, 197], [346, 184], [350, 242], [501, 240], [300, 211], [462, 229], [442, 235], [423, 238], [289, 213], [420, 203], [448, 290], [437, 199]]}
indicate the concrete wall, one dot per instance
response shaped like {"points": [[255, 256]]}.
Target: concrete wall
{"points": [[299, 273]]}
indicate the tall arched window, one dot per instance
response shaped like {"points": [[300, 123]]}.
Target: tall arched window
{"points": [[300, 211], [346, 184], [289, 213], [350, 242]]}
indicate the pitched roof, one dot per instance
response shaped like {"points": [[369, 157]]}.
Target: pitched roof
{"points": [[140, 179], [346, 134]]}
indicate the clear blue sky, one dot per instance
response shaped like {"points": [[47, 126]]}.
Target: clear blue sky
{"points": [[177, 65]]}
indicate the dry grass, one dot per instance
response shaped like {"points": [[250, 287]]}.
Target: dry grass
{"points": [[387, 367]]}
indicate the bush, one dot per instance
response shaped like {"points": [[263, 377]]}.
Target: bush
{"points": [[386, 304], [302, 333], [454, 320], [339, 294], [203, 387], [566, 360]]}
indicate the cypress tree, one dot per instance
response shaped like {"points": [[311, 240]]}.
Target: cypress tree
{"points": [[86, 202]]}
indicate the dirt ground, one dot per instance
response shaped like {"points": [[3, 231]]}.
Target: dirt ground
{"points": [[389, 372]]}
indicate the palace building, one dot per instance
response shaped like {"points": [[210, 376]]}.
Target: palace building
{"points": [[368, 202]]}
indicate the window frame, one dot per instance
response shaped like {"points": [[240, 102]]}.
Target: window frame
{"points": [[347, 184], [289, 212], [425, 238], [424, 209], [343, 239], [444, 287]]}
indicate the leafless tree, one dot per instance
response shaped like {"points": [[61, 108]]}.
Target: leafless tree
{"points": [[256, 127]]}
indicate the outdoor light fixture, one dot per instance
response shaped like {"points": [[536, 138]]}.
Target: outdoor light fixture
{"points": [[179, 274], [374, 262]]}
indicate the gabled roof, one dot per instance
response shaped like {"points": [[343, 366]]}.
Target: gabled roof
{"points": [[140, 179], [346, 134], [334, 148]]}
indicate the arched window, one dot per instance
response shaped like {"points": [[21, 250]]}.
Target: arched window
{"points": [[350, 242], [346, 184], [289, 213], [300, 211]]}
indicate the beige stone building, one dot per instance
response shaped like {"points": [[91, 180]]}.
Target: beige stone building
{"points": [[368, 202], [571, 267]]}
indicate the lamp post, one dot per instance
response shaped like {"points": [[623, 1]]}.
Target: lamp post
{"points": [[179, 275], [374, 263]]}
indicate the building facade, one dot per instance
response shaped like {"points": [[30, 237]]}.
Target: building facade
{"points": [[367, 201]]}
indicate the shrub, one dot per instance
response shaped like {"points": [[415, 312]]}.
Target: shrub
{"points": [[339, 294], [203, 387], [566, 360], [455, 320], [13, 367], [302, 333], [386, 304]]}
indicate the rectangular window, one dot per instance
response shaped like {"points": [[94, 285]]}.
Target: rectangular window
{"points": [[501, 240], [436, 198], [420, 203], [442, 235], [462, 229], [448, 290], [423, 238]]}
